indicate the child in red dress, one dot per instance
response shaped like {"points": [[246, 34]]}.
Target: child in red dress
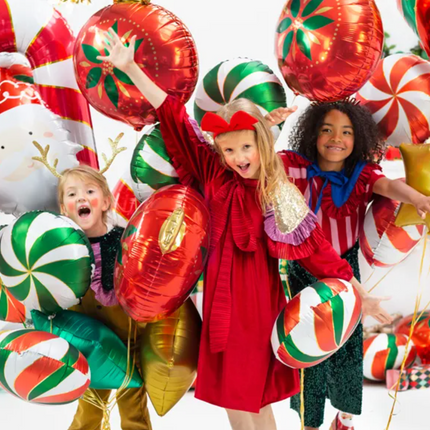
{"points": [[240, 176]]}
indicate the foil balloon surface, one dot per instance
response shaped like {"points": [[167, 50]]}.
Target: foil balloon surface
{"points": [[163, 252]]}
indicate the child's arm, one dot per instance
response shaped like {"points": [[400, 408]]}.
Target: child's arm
{"points": [[398, 190], [184, 142]]}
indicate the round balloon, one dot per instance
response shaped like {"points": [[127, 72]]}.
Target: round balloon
{"points": [[103, 349], [239, 78], [398, 96], [328, 49], [26, 184], [40, 367], [382, 243], [316, 323], [164, 249], [168, 357], [420, 335], [35, 29], [151, 167], [417, 15], [46, 261], [384, 352], [164, 49]]}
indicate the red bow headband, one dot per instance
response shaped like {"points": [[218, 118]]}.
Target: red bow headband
{"points": [[239, 121]]}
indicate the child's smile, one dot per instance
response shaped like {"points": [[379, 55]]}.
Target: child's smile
{"points": [[335, 141]]}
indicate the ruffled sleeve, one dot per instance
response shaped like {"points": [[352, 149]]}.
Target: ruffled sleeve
{"points": [[185, 144], [361, 194]]}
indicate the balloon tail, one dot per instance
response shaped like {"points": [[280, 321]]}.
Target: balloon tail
{"points": [[302, 398]]}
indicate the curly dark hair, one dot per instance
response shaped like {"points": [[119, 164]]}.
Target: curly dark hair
{"points": [[368, 143]]}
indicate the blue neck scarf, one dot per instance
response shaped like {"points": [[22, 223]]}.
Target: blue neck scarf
{"points": [[341, 185]]}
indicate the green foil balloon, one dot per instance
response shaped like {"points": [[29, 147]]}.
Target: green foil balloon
{"points": [[151, 167], [239, 78], [103, 349]]}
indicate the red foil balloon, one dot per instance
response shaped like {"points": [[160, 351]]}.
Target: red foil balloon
{"points": [[164, 49], [164, 250], [417, 15], [420, 335], [328, 49]]}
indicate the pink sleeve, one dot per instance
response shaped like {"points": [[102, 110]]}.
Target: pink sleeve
{"points": [[185, 144]]}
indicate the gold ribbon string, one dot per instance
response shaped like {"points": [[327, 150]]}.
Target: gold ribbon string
{"points": [[302, 399], [415, 319]]}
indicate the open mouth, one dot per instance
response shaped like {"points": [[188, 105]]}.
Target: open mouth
{"points": [[84, 212], [244, 167]]}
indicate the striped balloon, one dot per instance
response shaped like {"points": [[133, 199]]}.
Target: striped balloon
{"points": [[40, 367], [386, 351], [151, 167], [239, 78], [125, 199], [398, 96], [46, 261], [11, 310], [316, 323], [383, 243]]}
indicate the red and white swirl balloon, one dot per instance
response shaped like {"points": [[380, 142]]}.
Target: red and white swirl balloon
{"points": [[398, 95]]}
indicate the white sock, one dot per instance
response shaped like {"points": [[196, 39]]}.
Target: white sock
{"points": [[346, 419]]}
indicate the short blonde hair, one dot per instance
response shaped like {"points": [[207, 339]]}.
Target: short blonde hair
{"points": [[272, 170], [88, 174]]}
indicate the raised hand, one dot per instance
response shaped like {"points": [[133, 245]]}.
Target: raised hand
{"points": [[279, 115], [122, 57]]}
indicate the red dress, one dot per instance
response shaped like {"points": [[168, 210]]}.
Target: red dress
{"points": [[243, 293]]}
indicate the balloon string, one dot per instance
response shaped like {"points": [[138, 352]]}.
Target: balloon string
{"points": [[302, 398], [414, 321], [368, 279], [369, 291]]}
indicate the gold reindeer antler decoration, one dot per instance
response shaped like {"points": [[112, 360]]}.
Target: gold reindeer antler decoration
{"points": [[53, 169], [115, 151], [44, 159]]}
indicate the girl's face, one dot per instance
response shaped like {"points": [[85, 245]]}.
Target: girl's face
{"points": [[85, 204], [335, 141], [240, 153]]}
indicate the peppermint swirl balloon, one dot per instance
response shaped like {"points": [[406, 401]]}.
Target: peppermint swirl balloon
{"points": [[46, 261], [382, 243], [316, 323], [239, 78], [40, 367], [386, 351], [11, 310], [398, 96], [151, 167]]}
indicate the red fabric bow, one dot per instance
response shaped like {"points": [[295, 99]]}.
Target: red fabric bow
{"points": [[239, 121]]}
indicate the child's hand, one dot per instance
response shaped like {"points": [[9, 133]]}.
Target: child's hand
{"points": [[372, 308], [120, 56], [279, 115], [422, 205]]}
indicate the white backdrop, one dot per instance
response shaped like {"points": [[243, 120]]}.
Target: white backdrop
{"points": [[225, 29]]}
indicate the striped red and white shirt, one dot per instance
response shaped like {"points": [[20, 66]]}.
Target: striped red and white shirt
{"points": [[342, 225]]}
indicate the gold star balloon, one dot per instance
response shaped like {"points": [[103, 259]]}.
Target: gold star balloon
{"points": [[416, 159]]}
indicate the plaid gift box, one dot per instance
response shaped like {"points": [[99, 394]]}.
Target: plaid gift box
{"points": [[415, 378]]}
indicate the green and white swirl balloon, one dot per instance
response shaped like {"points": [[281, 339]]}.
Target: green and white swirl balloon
{"points": [[239, 78], [46, 261], [151, 167]]}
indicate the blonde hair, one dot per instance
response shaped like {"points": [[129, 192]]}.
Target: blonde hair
{"points": [[87, 174], [272, 171]]}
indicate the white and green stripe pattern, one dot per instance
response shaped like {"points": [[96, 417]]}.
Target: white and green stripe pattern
{"points": [[151, 167], [239, 78], [46, 261], [316, 323]]}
